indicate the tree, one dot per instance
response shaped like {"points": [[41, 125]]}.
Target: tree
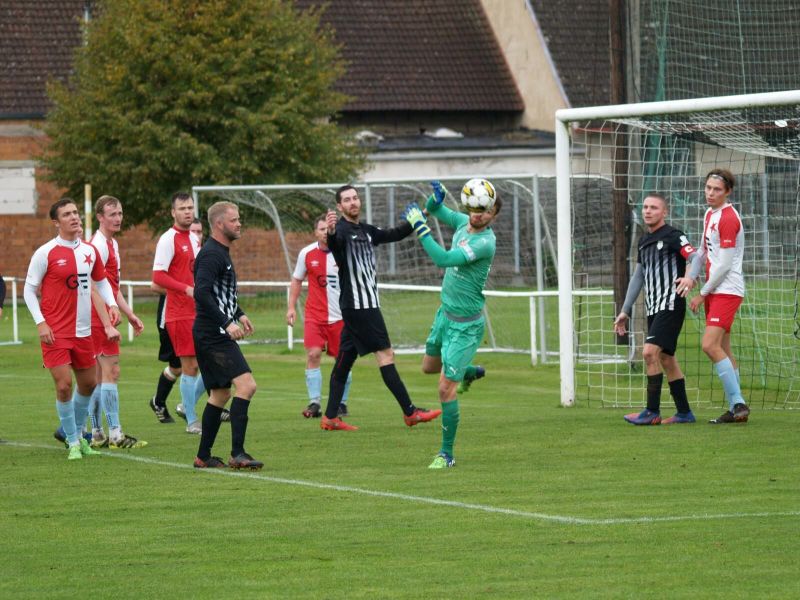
{"points": [[170, 93]]}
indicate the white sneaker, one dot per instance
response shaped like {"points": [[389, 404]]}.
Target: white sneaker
{"points": [[99, 439], [180, 411], [195, 427]]}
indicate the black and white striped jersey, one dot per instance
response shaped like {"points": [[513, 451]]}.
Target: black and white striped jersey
{"points": [[215, 292], [353, 247], [662, 255]]}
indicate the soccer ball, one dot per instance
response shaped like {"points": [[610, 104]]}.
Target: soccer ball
{"points": [[478, 195]]}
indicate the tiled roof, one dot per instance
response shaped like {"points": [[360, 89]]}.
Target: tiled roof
{"points": [[576, 33], [420, 55], [37, 41]]}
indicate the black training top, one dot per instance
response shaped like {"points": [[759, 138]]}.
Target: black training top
{"points": [[215, 293], [353, 250]]}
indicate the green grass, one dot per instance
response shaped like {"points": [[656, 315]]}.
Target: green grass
{"points": [[157, 529]]}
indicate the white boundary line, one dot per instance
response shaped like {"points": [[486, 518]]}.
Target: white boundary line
{"points": [[426, 500]]}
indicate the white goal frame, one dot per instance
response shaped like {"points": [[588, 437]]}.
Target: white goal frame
{"points": [[563, 121]]}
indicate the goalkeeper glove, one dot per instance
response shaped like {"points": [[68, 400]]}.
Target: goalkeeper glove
{"points": [[439, 193], [416, 219]]}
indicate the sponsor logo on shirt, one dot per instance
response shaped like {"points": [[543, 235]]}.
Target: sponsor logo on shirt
{"points": [[61, 262]]}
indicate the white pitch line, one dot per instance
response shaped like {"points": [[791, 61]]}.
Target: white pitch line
{"points": [[426, 500]]}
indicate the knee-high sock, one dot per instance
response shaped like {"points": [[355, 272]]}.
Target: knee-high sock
{"points": [[189, 400], [211, 423], [314, 384], [450, 419], [199, 389], [654, 383], [727, 375], [344, 363], [109, 394], [346, 391], [95, 410], [239, 420], [677, 388], [80, 404], [392, 380], [66, 414], [165, 383]]}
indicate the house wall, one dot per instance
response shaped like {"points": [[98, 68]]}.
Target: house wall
{"points": [[523, 45]]}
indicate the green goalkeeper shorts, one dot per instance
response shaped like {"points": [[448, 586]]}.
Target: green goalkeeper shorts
{"points": [[455, 341]]}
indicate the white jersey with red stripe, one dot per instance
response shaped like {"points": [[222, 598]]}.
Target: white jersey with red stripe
{"points": [[61, 270], [175, 254], [722, 228], [108, 251], [322, 303]]}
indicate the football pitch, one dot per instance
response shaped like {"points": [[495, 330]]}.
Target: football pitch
{"points": [[545, 502]]}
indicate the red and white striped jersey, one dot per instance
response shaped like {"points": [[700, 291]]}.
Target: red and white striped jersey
{"points": [[322, 303], [108, 251], [61, 270], [723, 229], [175, 254]]}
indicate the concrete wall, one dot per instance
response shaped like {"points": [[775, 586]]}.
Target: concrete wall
{"points": [[521, 41]]}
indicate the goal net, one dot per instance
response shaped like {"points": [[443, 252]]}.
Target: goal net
{"points": [[521, 307], [668, 147]]}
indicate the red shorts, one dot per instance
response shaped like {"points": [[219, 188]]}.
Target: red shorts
{"points": [[323, 335], [102, 345], [180, 334], [75, 351], [721, 310]]}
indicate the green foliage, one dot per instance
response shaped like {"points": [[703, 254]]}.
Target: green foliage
{"points": [[171, 93]]}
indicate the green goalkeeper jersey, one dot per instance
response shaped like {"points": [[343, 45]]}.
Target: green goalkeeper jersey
{"points": [[467, 262]]}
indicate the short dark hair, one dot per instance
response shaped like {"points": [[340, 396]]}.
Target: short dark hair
{"points": [[498, 204], [323, 217], [725, 175], [341, 191], [102, 202], [56, 205], [658, 195], [182, 196]]}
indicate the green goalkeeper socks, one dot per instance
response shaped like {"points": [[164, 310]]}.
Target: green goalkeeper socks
{"points": [[450, 417]]}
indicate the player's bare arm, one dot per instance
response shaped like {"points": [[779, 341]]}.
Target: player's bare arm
{"points": [[135, 321], [294, 293]]}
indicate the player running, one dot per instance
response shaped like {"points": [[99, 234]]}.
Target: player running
{"points": [[663, 253], [322, 324], [62, 271], [458, 326], [353, 246], [723, 292]]}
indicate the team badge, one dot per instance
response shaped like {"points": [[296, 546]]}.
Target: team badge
{"points": [[660, 245]]}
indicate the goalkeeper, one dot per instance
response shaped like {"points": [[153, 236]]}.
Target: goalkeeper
{"points": [[457, 328]]}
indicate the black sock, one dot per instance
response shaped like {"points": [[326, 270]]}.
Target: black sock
{"points": [[654, 383], [344, 363], [678, 390], [163, 389], [239, 418], [392, 380], [211, 424]]}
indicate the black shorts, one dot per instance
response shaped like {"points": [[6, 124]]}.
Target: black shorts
{"points": [[220, 360], [364, 331], [166, 353], [664, 329]]}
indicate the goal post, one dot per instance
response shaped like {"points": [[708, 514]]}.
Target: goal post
{"points": [[672, 145]]}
